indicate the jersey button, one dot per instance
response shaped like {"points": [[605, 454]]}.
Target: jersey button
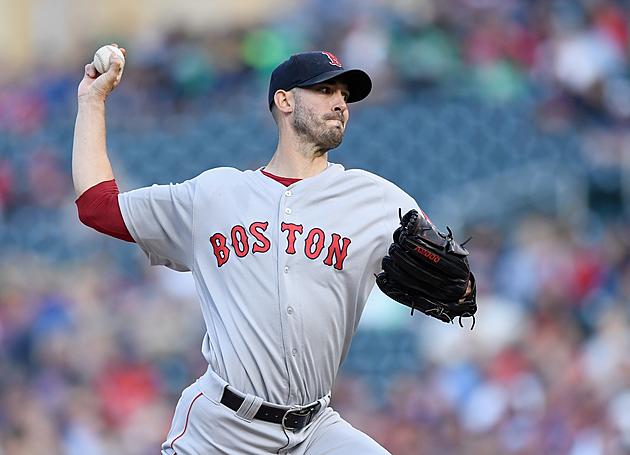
{"points": [[293, 352], [287, 211], [286, 270], [288, 193], [290, 310]]}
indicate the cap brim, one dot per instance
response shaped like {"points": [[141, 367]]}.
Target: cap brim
{"points": [[358, 81]]}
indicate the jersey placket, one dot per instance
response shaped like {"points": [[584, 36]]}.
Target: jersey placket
{"points": [[290, 318]]}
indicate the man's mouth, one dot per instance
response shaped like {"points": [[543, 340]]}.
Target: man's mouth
{"points": [[336, 119]]}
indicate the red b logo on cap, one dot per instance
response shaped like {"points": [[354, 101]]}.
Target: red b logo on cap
{"points": [[331, 57]]}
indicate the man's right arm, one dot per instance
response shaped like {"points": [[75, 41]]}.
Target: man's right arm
{"points": [[92, 174], [90, 163], [159, 218]]}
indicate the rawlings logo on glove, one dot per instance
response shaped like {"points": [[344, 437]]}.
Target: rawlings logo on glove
{"points": [[428, 271]]}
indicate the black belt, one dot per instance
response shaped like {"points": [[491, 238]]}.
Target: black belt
{"points": [[292, 419]]}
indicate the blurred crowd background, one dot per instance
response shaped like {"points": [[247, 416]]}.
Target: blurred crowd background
{"points": [[506, 119]]}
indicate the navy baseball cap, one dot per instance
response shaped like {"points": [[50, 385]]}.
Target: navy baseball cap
{"points": [[310, 68]]}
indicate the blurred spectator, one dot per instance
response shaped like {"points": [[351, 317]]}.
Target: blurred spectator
{"points": [[86, 367]]}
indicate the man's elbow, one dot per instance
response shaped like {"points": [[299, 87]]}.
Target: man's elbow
{"points": [[88, 218], [98, 209]]}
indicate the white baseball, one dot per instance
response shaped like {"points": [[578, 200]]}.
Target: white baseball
{"points": [[101, 57]]}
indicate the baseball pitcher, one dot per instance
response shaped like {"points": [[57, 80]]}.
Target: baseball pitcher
{"points": [[283, 257]]}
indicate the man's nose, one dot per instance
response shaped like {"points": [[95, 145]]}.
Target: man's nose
{"points": [[340, 104]]}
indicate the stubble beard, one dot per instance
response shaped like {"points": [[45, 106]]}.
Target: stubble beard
{"points": [[314, 130]]}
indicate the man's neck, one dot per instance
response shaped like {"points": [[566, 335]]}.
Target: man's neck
{"points": [[296, 160]]}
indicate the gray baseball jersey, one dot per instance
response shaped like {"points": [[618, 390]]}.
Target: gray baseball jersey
{"points": [[282, 273]]}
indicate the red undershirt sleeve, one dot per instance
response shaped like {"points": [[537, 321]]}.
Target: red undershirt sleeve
{"points": [[98, 208]]}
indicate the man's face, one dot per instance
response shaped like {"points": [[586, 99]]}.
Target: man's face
{"points": [[321, 114]]}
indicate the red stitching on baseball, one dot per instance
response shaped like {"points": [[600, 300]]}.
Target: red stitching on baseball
{"points": [[186, 425]]}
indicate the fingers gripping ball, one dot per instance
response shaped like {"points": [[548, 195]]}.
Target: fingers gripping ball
{"points": [[428, 271], [102, 56]]}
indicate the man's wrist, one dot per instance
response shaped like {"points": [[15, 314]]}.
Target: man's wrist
{"points": [[91, 100]]}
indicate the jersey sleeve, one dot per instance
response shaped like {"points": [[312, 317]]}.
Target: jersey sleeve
{"points": [[396, 202], [160, 220]]}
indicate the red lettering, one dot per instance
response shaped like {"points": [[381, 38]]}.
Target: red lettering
{"points": [[240, 242], [337, 251], [310, 241], [221, 252], [291, 230], [427, 254], [257, 229]]}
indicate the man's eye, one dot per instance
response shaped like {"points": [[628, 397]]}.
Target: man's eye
{"points": [[325, 90]]}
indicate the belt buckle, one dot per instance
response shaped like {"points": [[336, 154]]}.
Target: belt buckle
{"points": [[300, 411]]}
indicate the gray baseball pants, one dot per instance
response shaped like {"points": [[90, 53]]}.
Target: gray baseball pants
{"points": [[203, 426]]}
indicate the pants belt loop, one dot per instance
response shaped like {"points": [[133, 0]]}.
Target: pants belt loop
{"points": [[249, 407], [324, 402]]}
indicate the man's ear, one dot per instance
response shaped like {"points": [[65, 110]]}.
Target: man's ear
{"points": [[284, 101]]}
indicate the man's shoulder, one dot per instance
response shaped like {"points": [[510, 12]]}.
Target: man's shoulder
{"points": [[221, 175], [362, 173], [389, 191], [218, 172], [371, 178]]}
